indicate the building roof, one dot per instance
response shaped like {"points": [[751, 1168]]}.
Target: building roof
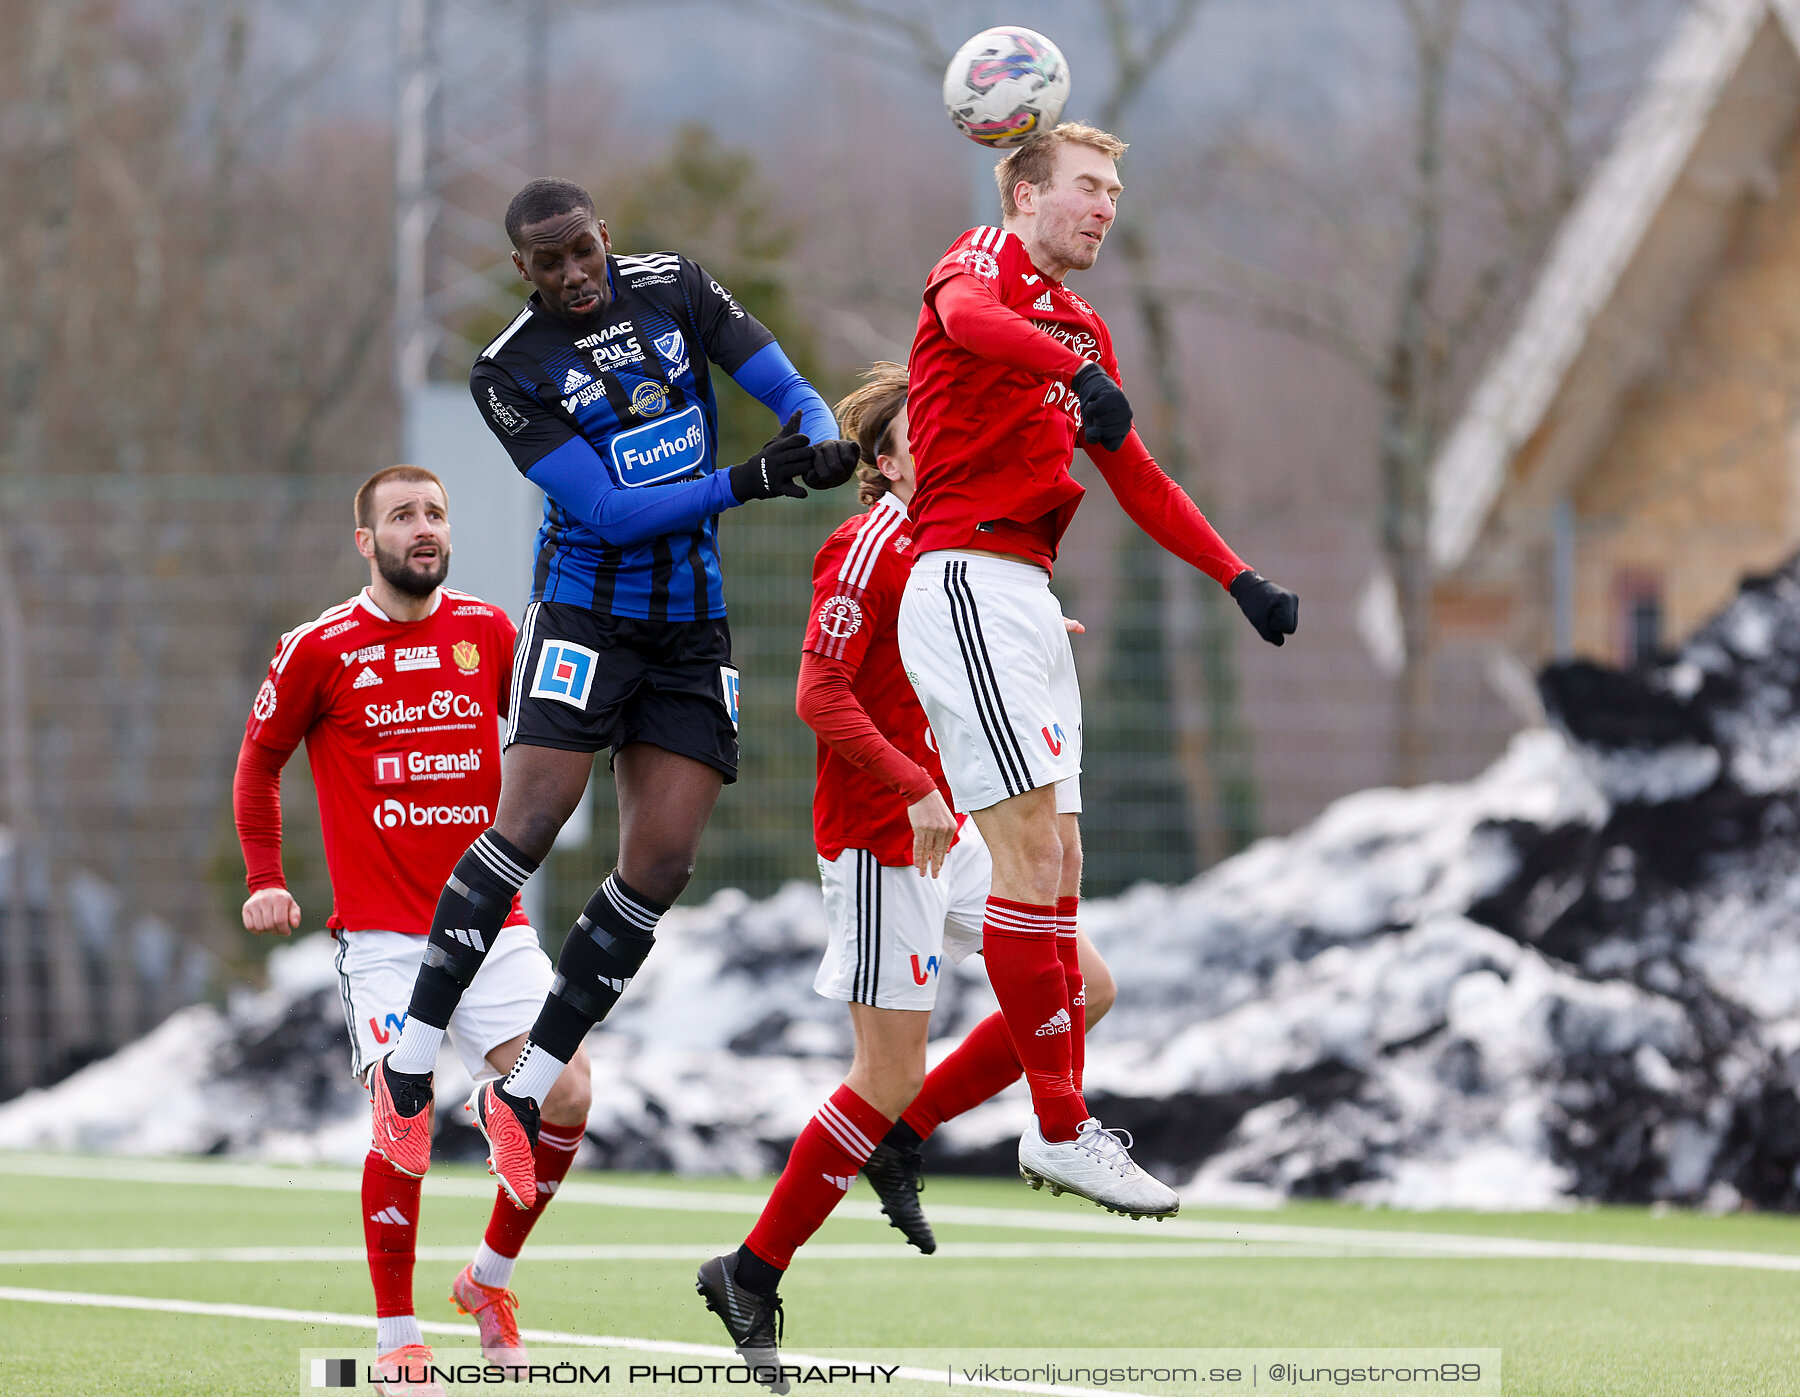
{"points": [[1587, 260]]}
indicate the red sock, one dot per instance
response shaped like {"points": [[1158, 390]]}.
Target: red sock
{"points": [[508, 1228], [390, 1206], [820, 1169], [1019, 941], [1068, 951], [983, 1065]]}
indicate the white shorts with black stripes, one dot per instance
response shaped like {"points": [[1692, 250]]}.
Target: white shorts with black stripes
{"points": [[890, 930], [985, 648], [376, 970]]}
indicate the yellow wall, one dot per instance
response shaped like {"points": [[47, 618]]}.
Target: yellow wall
{"points": [[1699, 483]]}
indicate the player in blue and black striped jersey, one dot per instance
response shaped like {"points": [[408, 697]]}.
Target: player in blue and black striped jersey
{"points": [[600, 393]]}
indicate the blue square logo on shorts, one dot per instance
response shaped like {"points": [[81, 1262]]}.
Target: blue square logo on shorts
{"points": [[565, 672], [728, 684]]}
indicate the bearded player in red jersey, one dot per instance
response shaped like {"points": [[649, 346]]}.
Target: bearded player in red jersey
{"points": [[1009, 371], [906, 882], [397, 693]]}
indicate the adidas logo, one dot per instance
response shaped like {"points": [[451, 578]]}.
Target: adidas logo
{"points": [[1042, 302], [547, 1187], [1059, 1022], [576, 379], [469, 936], [367, 679], [391, 1215], [841, 1181], [616, 986]]}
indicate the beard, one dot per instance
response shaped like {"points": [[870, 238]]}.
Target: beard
{"points": [[400, 573], [1076, 253]]}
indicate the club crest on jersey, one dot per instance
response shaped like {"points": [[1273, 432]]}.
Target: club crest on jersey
{"points": [[565, 672], [841, 617], [649, 399], [662, 450], [982, 264], [467, 657], [673, 349], [264, 707], [728, 688]]}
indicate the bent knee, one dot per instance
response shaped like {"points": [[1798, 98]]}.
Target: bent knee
{"points": [[662, 879], [1101, 993]]}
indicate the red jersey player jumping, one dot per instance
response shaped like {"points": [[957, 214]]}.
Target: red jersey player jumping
{"points": [[397, 693], [882, 823], [1009, 371]]}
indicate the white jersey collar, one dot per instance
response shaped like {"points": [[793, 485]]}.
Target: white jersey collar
{"points": [[367, 603]]}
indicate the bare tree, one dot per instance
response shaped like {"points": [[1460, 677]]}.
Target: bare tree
{"points": [[182, 334], [1493, 140]]}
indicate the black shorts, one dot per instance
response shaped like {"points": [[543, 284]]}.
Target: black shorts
{"points": [[582, 681]]}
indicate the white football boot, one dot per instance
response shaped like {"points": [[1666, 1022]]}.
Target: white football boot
{"points": [[1096, 1166]]}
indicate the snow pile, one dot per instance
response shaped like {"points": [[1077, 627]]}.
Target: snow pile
{"points": [[1573, 976]]}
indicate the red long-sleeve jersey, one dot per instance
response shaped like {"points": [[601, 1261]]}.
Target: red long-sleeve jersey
{"points": [[993, 421], [400, 724]]}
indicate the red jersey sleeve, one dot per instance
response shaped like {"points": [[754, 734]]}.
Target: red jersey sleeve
{"points": [[256, 810], [1162, 509], [291, 698], [826, 705], [974, 316], [284, 708], [847, 612]]}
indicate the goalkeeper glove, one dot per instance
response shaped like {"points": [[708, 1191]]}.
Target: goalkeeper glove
{"points": [[772, 470], [1274, 611], [1105, 411]]}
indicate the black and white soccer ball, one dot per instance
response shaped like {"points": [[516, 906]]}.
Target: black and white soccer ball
{"points": [[1005, 85]]}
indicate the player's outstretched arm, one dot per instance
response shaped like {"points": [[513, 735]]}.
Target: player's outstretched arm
{"points": [[974, 316], [565, 466], [577, 479], [1162, 509], [256, 809], [772, 380]]}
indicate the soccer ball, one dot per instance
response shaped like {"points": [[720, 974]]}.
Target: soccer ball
{"points": [[1006, 85]]}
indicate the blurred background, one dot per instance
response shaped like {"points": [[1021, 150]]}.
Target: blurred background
{"points": [[248, 249]]}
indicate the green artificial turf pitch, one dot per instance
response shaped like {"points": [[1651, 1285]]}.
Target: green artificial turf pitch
{"points": [[1036, 1276]]}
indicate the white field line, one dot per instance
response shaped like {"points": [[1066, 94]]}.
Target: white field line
{"points": [[1362, 1239], [695, 1251], [551, 1337]]}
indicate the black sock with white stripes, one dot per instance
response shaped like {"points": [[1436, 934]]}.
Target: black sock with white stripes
{"points": [[607, 944], [476, 900]]}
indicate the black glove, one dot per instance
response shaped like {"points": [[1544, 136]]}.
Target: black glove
{"points": [[1274, 611], [833, 463], [1105, 413], [772, 470]]}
